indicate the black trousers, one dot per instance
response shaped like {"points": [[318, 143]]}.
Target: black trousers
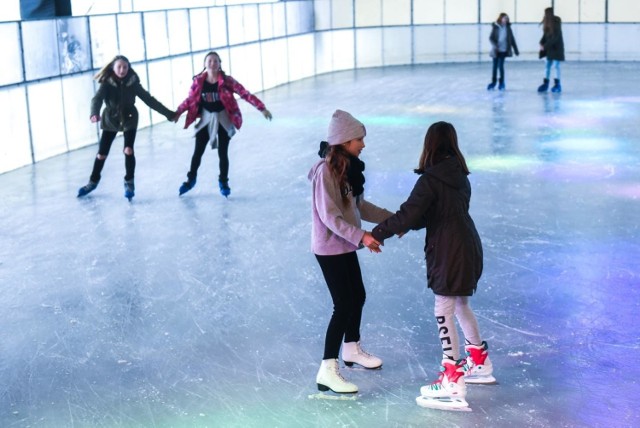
{"points": [[106, 140], [202, 137], [344, 279]]}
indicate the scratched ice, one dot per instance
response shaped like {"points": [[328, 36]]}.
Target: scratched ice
{"points": [[201, 311]]}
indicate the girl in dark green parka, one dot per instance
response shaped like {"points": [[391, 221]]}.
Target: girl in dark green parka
{"points": [[119, 87]]}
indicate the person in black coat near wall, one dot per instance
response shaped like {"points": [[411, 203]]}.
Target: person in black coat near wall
{"points": [[503, 45], [551, 47], [439, 202]]}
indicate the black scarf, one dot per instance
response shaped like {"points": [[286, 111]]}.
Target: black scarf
{"points": [[355, 175]]}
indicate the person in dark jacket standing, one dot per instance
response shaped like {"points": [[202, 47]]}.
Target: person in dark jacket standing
{"points": [[503, 45], [119, 87], [211, 99], [552, 47], [439, 202]]}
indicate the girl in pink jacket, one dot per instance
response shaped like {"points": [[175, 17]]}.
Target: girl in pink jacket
{"points": [[211, 100]]}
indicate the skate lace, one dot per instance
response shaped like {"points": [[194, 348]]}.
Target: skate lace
{"points": [[362, 352]]}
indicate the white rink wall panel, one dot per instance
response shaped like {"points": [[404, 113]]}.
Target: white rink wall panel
{"points": [[397, 46], [198, 29], [160, 87], [15, 147], [396, 12], [274, 54], [46, 114], [245, 61], [77, 92], [178, 31], [301, 58], [369, 52]]}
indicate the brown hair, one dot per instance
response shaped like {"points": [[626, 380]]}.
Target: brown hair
{"points": [[548, 22], [337, 159], [440, 142], [499, 20], [106, 71]]}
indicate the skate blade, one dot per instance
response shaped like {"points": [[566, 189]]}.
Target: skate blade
{"points": [[453, 404], [336, 397], [481, 380]]}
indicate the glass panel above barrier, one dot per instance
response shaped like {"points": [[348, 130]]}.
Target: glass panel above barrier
{"points": [[396, 12], [178, 31], [104, 40], [198, 29], [73, 45], [130, 37], [156, 34], [40, 46]]}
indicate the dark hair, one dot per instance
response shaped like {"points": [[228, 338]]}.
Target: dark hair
{"points": [[337, 159], [106, 71], [548, 21], [440, 143], [502, 15]]}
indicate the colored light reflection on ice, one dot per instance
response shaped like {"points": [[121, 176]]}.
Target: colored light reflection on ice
{"points": [[586, 145], [577, 171], [630, 191], [501, 163]]}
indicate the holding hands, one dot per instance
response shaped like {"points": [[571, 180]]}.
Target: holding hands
{"points": [[371, 243]]}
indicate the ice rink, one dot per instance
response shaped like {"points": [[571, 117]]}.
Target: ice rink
{"points": [[201, 311]]}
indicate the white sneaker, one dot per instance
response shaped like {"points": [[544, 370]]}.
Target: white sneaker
{"points": [[329, 378], [353, 353]]}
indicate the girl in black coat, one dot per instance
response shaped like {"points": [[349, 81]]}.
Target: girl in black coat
{"points": [[439, 202], [552, 47], [119, 87], [503, 45]]}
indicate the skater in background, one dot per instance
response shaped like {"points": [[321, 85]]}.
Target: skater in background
{"points": [[211, 100], [338, 205], [551, 47], [439, 202], [503, 45], [119, 87]]}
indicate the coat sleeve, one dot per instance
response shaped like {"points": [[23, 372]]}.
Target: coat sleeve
{"points": [[371, 212], [152, 102], [244, 94], [98, 99], [326, 193], [513, 42], [411, 214], [191, 98]]}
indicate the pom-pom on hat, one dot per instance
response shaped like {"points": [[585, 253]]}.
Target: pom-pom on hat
{"points": [[344, 127]]}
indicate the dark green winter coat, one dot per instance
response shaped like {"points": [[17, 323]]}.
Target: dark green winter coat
{"points": [[119, 97], [439, 202], [552, 42]]}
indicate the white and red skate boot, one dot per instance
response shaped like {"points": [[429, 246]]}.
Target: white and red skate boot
{"points": [[449, 391], [478, 368]]}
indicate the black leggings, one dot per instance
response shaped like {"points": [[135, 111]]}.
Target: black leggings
{"points": [[202, 138], [344, 279], [105, 145]]}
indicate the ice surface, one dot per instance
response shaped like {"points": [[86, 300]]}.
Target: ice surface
{"points": [[199, 311]]}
